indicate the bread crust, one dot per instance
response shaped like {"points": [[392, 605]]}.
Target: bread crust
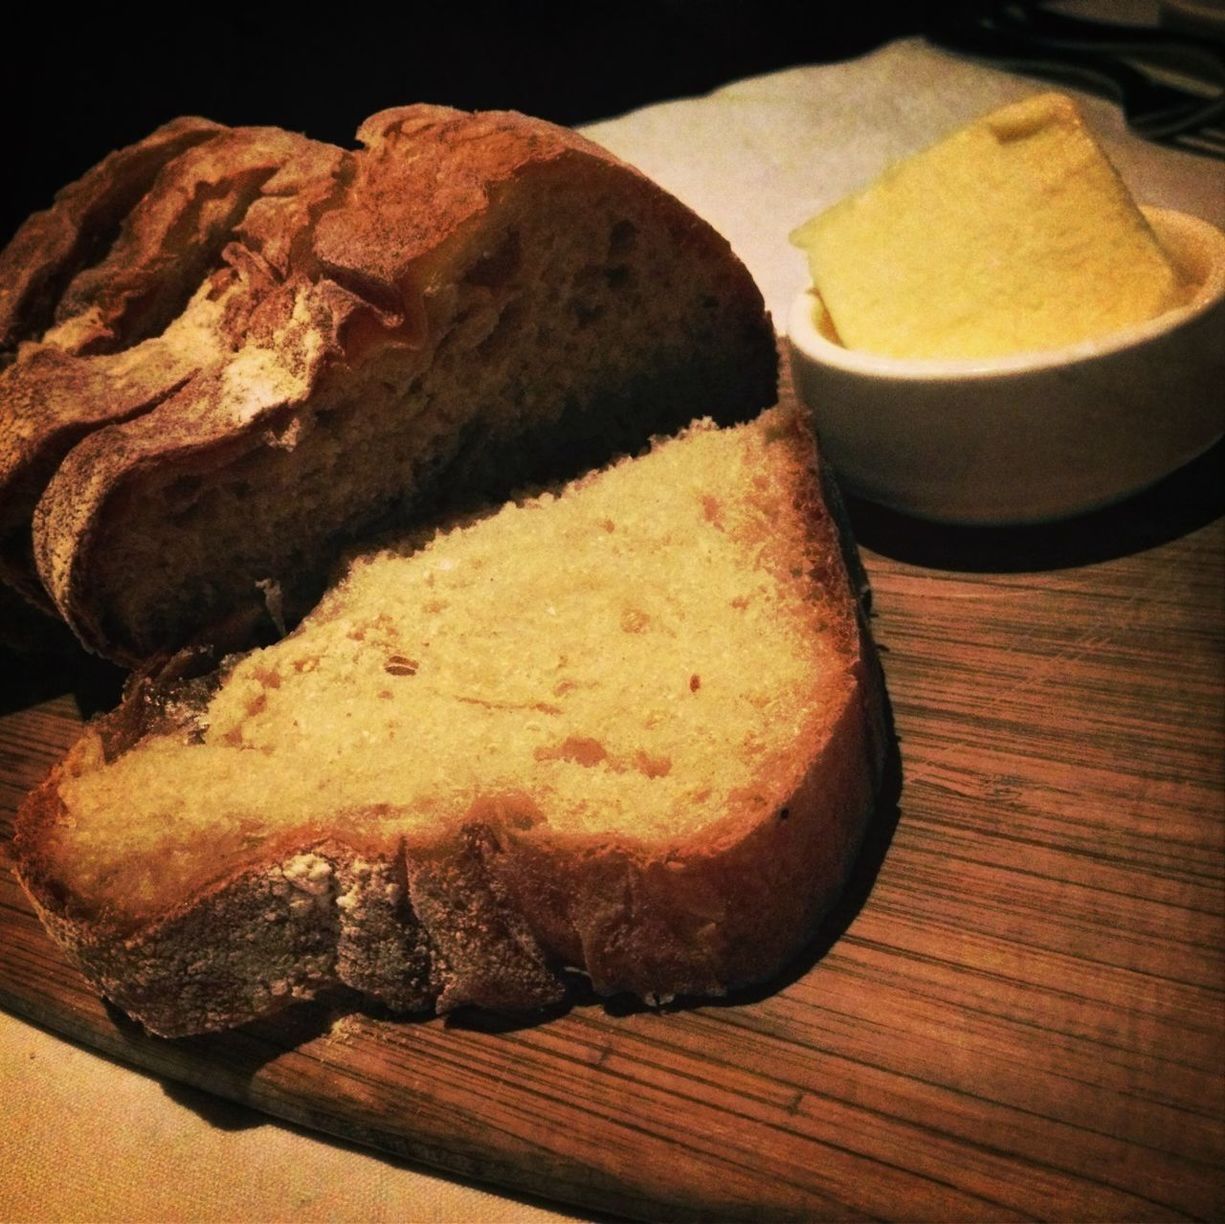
{"points": [[85, 345], [491, 909], [294, 268], [52, 245]]}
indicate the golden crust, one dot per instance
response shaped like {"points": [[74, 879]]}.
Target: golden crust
{"points": [[103, 343], [192, 428], [52, 245]]}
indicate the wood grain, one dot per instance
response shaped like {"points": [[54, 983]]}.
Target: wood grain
{"points": [[1018, 1013]]}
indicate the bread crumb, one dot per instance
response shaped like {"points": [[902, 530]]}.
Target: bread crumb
{"points": [[634, 620], [401, 665]]}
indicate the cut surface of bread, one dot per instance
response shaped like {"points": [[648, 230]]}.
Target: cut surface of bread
{"points": [[631, 728], [232, 352]]}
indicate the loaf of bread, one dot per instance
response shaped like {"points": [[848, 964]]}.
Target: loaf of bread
{"points": [[632, 728], [228, 353]]}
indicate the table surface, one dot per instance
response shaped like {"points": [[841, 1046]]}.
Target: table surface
{"points": [[1018, 1011]]}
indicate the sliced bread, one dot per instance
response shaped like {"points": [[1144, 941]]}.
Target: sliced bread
{"points": [[633, 728], [230, 352]]}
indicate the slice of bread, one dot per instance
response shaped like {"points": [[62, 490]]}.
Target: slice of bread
{"points": [[228, 353], [633, 728]]}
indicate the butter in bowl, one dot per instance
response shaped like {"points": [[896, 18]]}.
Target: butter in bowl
{"points": [[997, 333]]}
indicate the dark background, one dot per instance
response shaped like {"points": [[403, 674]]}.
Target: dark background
{"points": [[76, 87]]}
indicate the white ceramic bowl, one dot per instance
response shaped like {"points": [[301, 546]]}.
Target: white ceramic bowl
{"points": [[1031, 437]]}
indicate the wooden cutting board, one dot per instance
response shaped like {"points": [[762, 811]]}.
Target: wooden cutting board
{"points": [[1019, 1012]]}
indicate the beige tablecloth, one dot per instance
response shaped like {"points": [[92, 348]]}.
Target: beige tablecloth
{"points": [[761, 156], [85, 1139]]}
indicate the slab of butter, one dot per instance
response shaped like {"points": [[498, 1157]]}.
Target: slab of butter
{"points": [[1013, 234]]}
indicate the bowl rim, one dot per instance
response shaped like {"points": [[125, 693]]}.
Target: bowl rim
{"points": [[804, 334]]}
